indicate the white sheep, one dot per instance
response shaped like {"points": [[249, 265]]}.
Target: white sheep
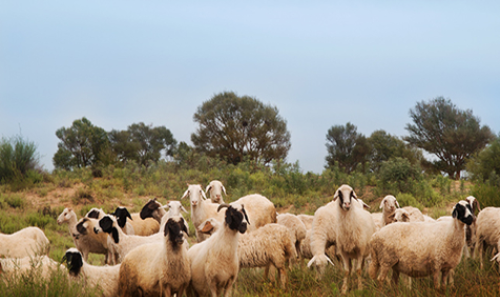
{"points": [[470, 231], [487, 231], [215, 188], [119, 243], [419, 249], [307, 220], [409, 214], [105, 278], [215, 262], [388, 205], [354, 227], [87, 241], [40, 265], [158, 269], [260, 210], [175, 208], [30, 241], [297, 229], [270, 245]]}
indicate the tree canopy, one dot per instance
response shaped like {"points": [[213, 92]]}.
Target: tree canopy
{"points": [[346, 146], [80, 145], [486, 162], [236, 128], [451, 134]]}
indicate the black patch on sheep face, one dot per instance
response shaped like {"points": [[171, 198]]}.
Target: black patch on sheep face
{"points": [[80, 228], [234, 219], [106, 225], [75, 262], [459, 212], [94, 214], [174, 231], [148, 209], [121, 214]]}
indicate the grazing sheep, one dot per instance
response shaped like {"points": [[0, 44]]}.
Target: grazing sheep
{"points": [[269, 245], [158, 269], [119, 243], [40, 264], [488, 231], [87, 241], [141, 227], [354, 227], [296, 227], [30, 241], [419, 249], [216, 188], [215, 262], [103, 277], [322, 237]]}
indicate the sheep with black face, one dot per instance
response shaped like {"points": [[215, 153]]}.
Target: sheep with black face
{"points": [[134, 224], [419, 249], [158, 269], [215, 262]]}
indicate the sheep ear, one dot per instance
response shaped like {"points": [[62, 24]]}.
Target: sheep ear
{"points": [[245, 213], [183, 209], [397, 204], [128, 215], [208, 188], [224, 190], [165, 231], [336, 195], [353, 195], [185, 194], [454, 214], [382, 203], [115, 235], [406, 218], [206, 227], [184, 227], [476, 204], [203, 195]]}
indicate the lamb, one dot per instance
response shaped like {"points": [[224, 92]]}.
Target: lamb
{"points": [[268, 245], [103, 277], [119, 243], [296, 227], [87, 241], [216, 188], [30, 241], [388, 205], [158, 269], [40, 264], [354, 227], [214, 262], [139, 226], [488, 231], [419, 249]]}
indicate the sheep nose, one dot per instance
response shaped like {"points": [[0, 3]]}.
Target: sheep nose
{"points": [[347, 205], [194, 202]]}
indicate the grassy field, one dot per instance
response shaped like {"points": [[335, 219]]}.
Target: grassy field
{"points": [[291, 191]]}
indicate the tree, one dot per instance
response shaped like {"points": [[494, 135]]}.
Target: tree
{"points": [[142, 143], [451, 134], [237, 128], [384, 146], [80, 146], [347, 147], [487, 162]]}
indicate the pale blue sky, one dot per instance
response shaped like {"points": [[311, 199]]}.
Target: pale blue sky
{"points": [[322, 63]]}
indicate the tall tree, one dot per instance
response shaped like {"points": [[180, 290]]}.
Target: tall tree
{"points": [[486, 162], [234, 128], [346, 146], [80, 146], [142, 143], [451, 134], [384, 146]]}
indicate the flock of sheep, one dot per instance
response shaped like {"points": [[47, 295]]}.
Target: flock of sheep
{"points": [[147, 253]]}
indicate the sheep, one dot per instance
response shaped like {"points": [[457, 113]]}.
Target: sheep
{"points": [[388, 205], [39, 264], [153, 209], [158, 269], [470, 231], [487, 231], [174, 209], [260, 210], [409, 214], [271, 244], [216, 188], [119, 243], [354, 227], [307, 220], [295, 226], [104, 278], [30, 241], [419, 249], [214, 262], [87, 241], [95, 213], [139, 226]]}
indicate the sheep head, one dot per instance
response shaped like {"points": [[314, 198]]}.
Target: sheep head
{"points": [[195, 193], [235, 216], [401, 215], [175, 228], [121, 214], [108, 225], [74, 259], [215, 188], [345, 194], [64, 216], [389, 204], [149, 210], [463, 212]]}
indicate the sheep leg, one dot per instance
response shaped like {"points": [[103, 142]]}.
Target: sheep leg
{"points": [[347, 272], [269, 272], [384, 270], [395, 277], [359, 271], [436, 280], [282, 275], [480, 250]]}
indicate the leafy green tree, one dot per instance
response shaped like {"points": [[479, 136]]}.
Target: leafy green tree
{"points": [[487, 162], [385, 146], [451, 134], [347, 147], [237, 128], [142, 143], [80, 145]]}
